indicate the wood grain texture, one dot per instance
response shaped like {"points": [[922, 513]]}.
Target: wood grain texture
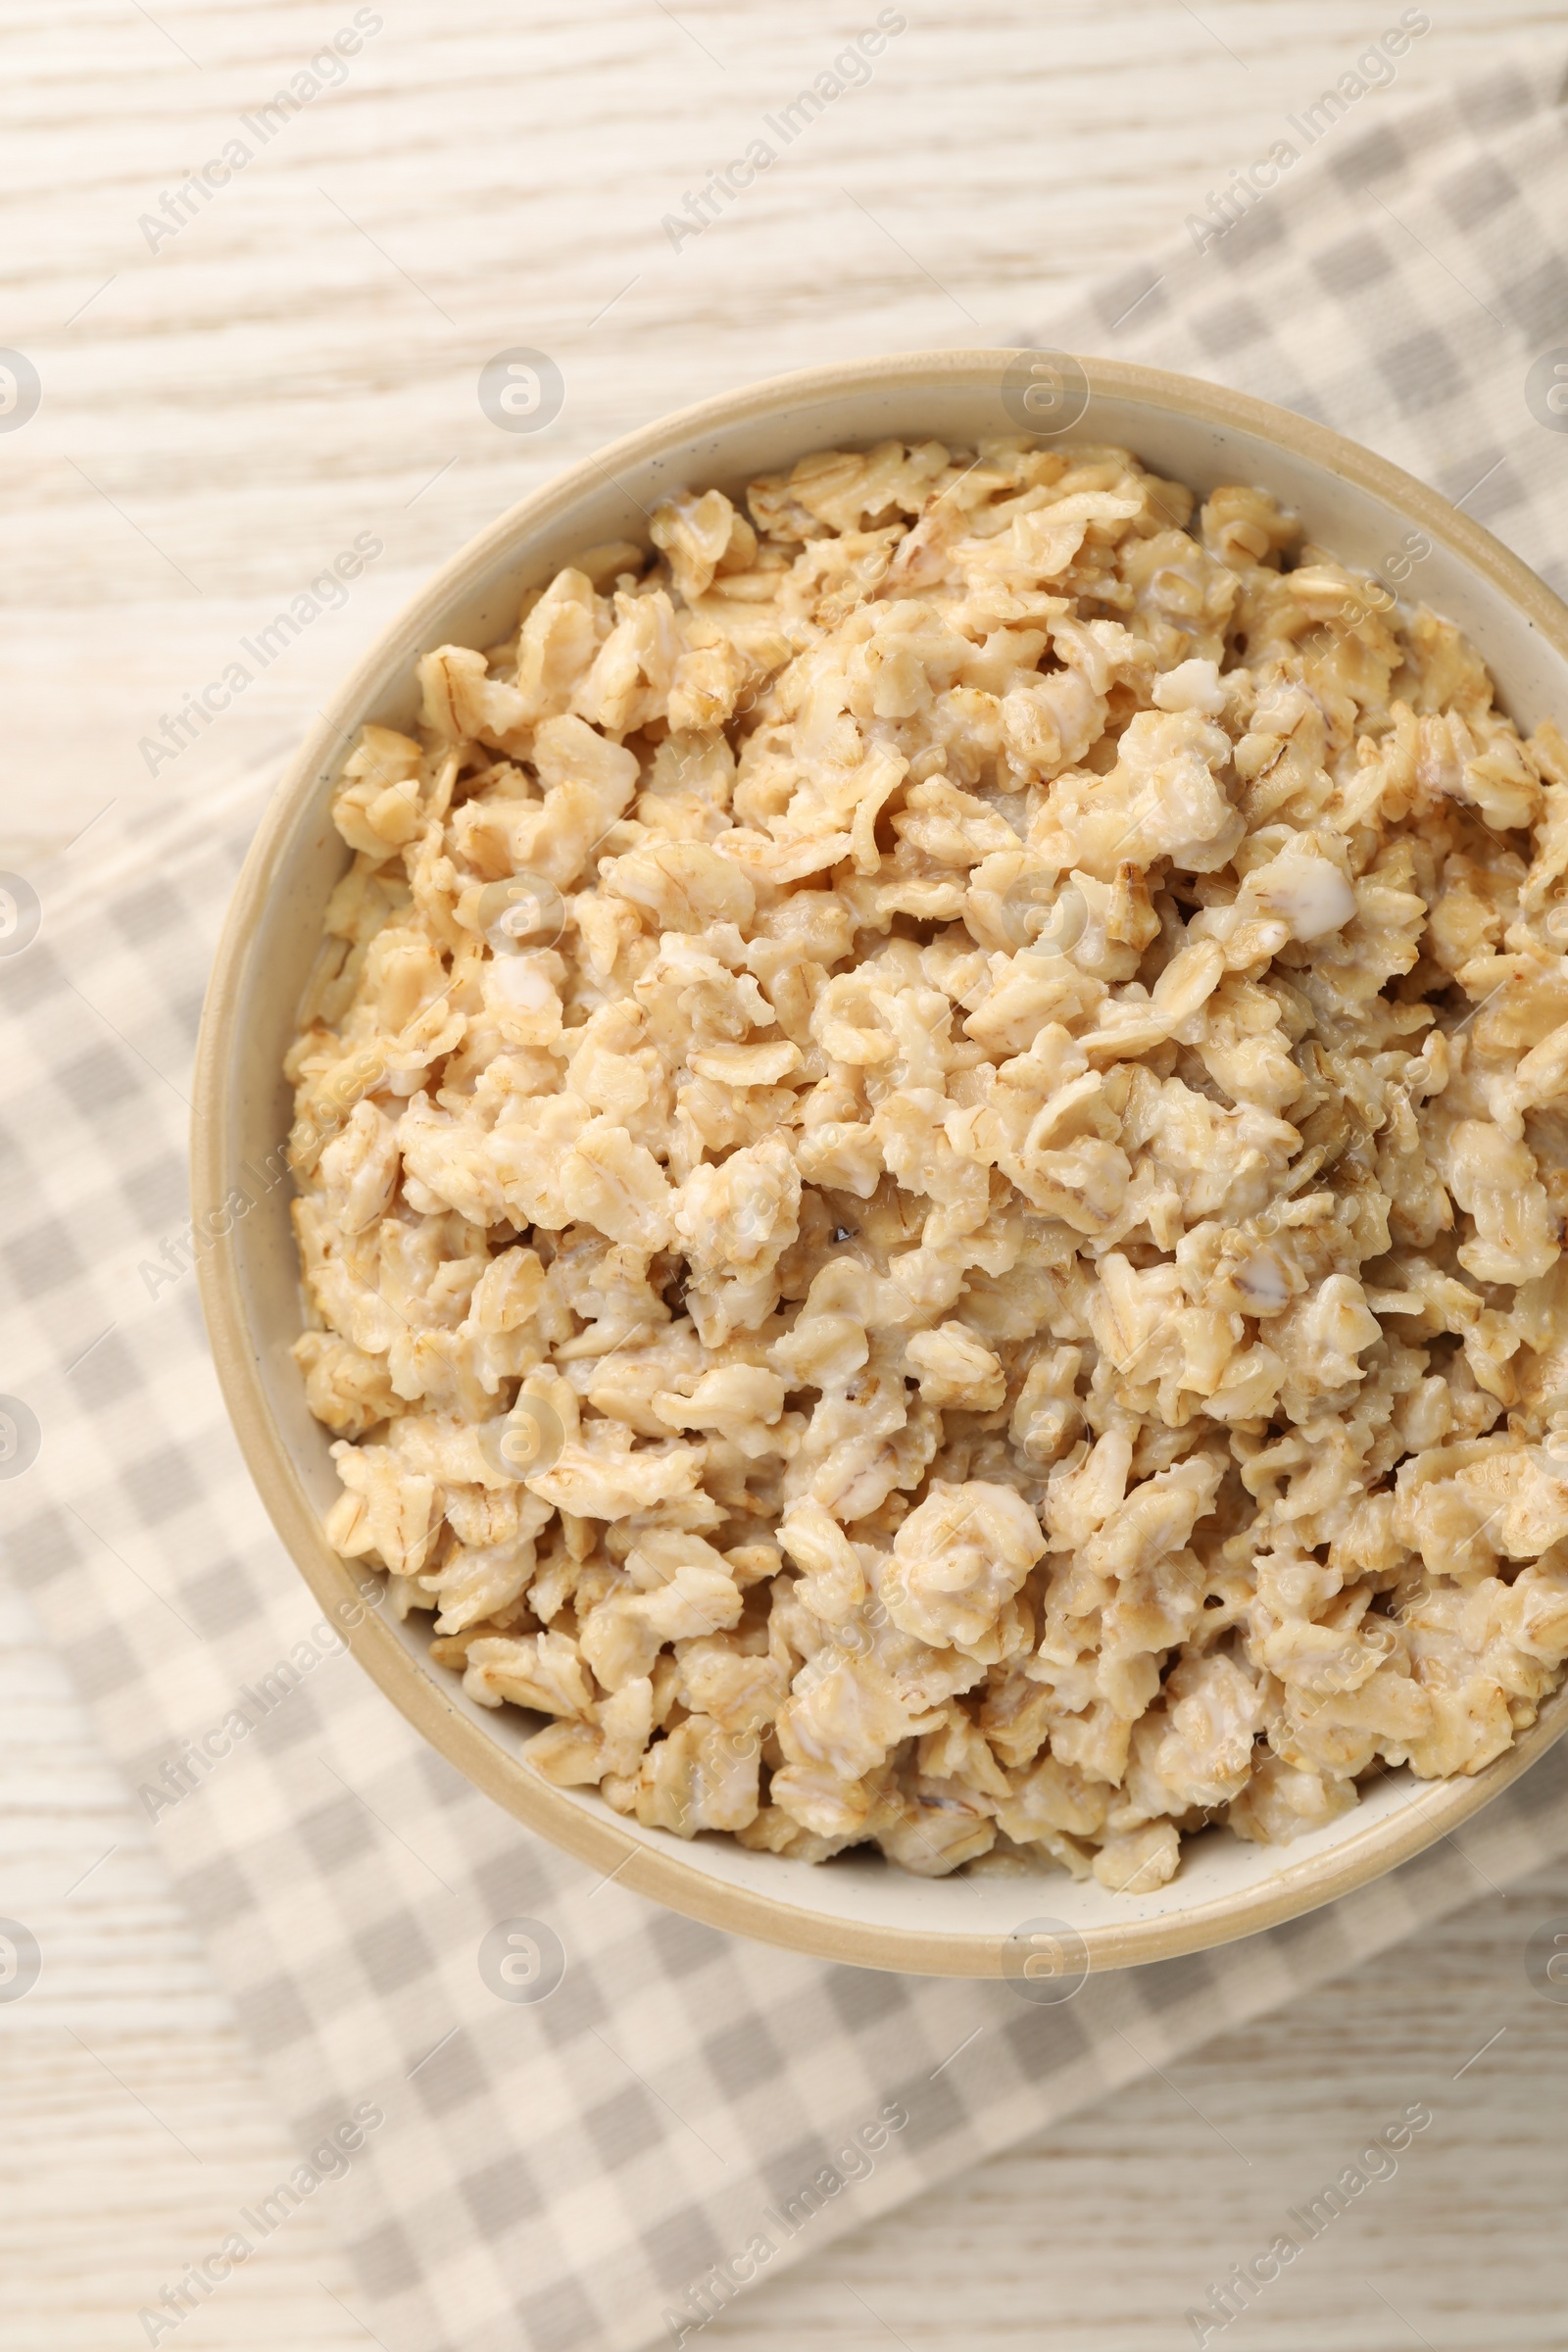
{"points": [[1103, 2237], [260, 968], [219, 419], [133, 2123], [299, 363]]}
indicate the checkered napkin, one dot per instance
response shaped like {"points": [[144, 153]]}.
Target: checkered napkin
{"points": [[562, 2172]]}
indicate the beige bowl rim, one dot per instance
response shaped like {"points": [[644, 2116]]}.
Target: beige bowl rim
{"points": [[663, 1875]]}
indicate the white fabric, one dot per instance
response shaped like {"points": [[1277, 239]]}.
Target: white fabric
{"points": [[562, 2173]]}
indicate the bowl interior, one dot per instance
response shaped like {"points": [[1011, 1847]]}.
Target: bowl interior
{"points": [[1363, 512]]}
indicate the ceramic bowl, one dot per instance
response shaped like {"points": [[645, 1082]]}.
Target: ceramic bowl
{"points": [[856, 1909]]}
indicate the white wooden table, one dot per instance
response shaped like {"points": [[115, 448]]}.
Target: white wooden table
{"points": [[221, 411]]}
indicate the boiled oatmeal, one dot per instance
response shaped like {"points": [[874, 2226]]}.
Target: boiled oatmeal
{"points": [[932, 1142]]}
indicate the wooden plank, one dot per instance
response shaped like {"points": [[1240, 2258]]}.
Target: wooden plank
{"points": [[136, 2126], [223, 414], [1103, 2235], [299, 363]]}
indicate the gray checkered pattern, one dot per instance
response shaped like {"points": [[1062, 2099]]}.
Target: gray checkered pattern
{"points": [[554, 2175]]}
